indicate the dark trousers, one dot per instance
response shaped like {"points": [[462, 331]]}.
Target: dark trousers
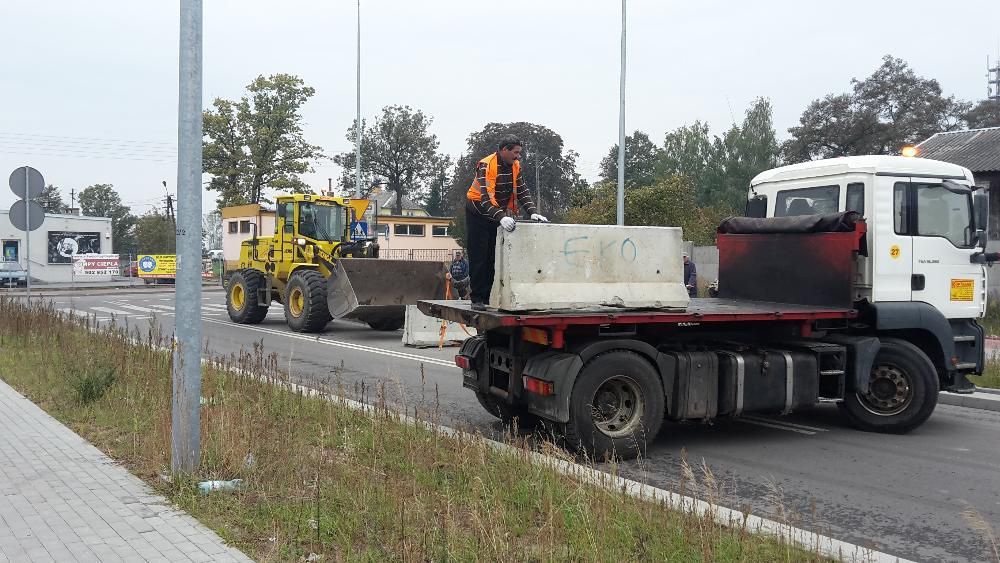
{"points": [[481, 234]]}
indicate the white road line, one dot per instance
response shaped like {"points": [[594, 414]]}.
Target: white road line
{"points": [[110, 311], [348, 345], [775, 426], [786, 423], [134, 307], [164, 307]]}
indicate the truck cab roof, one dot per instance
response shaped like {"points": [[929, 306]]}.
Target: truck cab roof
{"points": [[874, 164]]}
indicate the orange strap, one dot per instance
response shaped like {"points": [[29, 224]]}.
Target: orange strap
{"points": [[444, 323]]}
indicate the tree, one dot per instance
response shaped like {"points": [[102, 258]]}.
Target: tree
{"points": [[891, 108], [434, 203], [101, 200], [667, 202], [154, 234], [985, 114], [256, 143], [399, 149], [641, 157], [51, 200], [211, 226], [742, 153], [542, 147]]}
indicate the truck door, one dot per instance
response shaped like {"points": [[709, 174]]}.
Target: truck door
{"points": [[892, 253], [942, 229]]}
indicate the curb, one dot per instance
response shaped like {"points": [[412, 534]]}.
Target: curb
{"points": [[987, 401]]}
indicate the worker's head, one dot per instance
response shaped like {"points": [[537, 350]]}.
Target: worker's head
{"points": [[687, 258], [509, 149], [458, 255]]}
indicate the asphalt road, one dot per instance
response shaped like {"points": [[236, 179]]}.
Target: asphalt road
{"points": [[904, 495]]}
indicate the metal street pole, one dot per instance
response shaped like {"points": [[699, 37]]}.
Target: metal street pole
{"points": [[357, 126], [186, 418], [621, 132], [27, 236], [538, 189]]}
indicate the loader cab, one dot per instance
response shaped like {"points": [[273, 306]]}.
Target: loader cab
{"points": [[923, 234], [321, 220]]}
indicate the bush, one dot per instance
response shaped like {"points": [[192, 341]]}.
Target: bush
{"points": [[91, 386]]}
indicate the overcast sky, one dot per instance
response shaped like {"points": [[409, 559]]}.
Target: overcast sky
{"points": [[88, 90]]}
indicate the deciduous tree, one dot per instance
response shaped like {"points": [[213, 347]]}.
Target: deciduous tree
{"points": [[101, 200]]}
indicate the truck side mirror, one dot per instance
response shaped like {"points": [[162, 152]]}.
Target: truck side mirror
{"points": [[981, 205], [757, 206]]}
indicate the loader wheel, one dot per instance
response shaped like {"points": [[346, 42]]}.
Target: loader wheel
{"points": [[305, 302], [241, 297], [902, 391], [616, 407]]}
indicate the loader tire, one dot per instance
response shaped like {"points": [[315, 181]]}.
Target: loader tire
{"points": [[241, 297], [305, 302], [902, 391]]}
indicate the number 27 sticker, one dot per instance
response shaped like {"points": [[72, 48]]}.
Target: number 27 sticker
{"points": [[894, 251]]}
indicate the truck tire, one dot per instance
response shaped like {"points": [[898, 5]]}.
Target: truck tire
{"points": [[241, 297], [507, 413], [305, 302], [901, 394], [617, 406]]}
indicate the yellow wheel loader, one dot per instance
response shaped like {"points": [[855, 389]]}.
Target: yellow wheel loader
{"points": [[318, 271]]}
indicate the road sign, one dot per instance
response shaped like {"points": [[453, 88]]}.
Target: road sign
{"points": [[35, 215], [26, 186], [359, 230]]}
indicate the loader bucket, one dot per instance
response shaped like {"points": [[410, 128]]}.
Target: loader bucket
{"points": [[377, 291]]}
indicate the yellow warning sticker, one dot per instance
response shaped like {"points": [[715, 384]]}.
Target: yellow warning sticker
{"points": [[962, 290], [894, 251]]}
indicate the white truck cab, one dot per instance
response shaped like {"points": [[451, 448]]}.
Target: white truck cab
{"points": [[925, 270]]}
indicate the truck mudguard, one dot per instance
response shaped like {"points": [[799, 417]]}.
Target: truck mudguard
{"points": [[906, 315], [861, 352], [559, 368]]}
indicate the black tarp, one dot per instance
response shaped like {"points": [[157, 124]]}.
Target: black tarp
{"points": [[831, 223]]}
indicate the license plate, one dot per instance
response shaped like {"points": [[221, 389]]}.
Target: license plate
{"points": [[963, 290]]}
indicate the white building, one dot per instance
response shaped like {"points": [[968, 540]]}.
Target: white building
{"points": [[54, 244]]}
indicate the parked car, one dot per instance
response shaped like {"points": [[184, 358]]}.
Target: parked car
{"points": [[12, 274]]}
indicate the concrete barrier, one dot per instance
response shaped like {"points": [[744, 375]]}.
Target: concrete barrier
{"points": [[552, 266], [421, 331]]}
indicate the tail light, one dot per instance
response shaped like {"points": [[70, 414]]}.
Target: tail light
{"points": [[538, 386], [463, 362]]}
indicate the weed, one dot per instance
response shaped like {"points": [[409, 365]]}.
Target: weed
{"points": [[91, 386]]}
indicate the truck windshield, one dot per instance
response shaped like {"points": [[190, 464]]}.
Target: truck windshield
{"points": [[321, 221], [944, 213], [807, 201]]}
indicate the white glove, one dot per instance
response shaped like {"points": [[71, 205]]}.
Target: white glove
{"points": [[508, 224], [537, 217]]}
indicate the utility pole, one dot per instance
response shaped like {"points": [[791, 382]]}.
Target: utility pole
{"points": [[185, 438], [621, 131], [357, 126], [992, 80], [72, 198]]}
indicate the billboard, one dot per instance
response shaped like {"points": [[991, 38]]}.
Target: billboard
{"points": [[96, 265], [63, 245], [157, 265]]}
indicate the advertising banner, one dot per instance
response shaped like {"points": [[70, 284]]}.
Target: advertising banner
{"points": [[96, 265], [157, 265], [63, 245]]}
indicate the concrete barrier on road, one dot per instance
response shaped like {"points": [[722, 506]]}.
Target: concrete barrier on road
{"points": [[552, 266], [421, 331]]}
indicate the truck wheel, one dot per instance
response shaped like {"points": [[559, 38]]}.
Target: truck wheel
{"points": [[507, 413], [616, 407], [901, 394], [305, 302], [241, 297], [386, 325]]}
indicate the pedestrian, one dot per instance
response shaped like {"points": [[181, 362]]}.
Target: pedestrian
{"points": [[494, 199], [459, 272], [690, 276]]}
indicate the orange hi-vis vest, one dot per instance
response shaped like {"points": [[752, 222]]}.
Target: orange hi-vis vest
{"points": [[476, 191]]}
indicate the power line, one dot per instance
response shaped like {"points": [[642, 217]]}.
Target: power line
{"points": [[86, 139]]}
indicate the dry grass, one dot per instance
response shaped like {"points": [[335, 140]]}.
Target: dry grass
{"points": [[991, 375], [321, 478]]}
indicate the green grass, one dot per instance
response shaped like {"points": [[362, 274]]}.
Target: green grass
{"points": [[343, 484], [991, 375]]}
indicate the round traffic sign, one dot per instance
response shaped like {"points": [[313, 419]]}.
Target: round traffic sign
{"points": [[26, 182], [35, 215]]}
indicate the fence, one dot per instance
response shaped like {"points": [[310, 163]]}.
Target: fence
{"points": [[417, 254]]}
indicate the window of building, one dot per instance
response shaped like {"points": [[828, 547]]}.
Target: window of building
{"points": [[855, 198], [439, 230], [234, 227], [382, 230], [10, 250], [245, 226], [407, 230], [807, 201]]}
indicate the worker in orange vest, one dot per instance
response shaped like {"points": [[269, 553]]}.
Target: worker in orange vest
{"points": [[493, 200]]}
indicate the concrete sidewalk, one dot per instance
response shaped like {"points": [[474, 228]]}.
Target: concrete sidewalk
{"points": [[64, 500]]}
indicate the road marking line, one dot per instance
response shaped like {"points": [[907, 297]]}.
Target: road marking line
{"points": [[164, 307], [785, 423], [775, 426], [348, 345], [110, 311], [134, 307]]}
